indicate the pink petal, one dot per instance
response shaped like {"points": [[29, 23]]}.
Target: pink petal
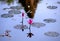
{"points": [[22, 14]]}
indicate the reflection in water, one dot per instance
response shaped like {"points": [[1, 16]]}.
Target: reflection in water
{"points": [[2, 1], [52, 34], [6, 33], [40, 1], [7, 15], [51, 7], [29, 5], [22, 26], [30, 34], [38, 25], [49, 20], [7, 1]]}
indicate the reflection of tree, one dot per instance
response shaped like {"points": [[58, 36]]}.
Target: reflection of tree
{"points": [[29, 5], [7, 1]]}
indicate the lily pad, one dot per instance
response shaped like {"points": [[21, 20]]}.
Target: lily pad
{"points": [[5, 8], [49, 20], [52, 34], [51, 7], [16, 7], [21, 27], [6, 15], [58, 2], [38, 25], [14, 12]]}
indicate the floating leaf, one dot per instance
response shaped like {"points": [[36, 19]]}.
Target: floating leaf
{"points": [[6, 15], [38, 25], [49, 20], [52, 34], [51, 7], [21, 27], [58, 2], [16, 7], [14, 12]]}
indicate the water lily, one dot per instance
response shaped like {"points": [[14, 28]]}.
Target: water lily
{"points": [[30, 34], [6, 33], [30, 21]]}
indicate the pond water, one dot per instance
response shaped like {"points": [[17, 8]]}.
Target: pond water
{"points": [[45, 25]]}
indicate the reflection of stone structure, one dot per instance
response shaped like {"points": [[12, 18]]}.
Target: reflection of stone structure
{"points": [[29, 5]]}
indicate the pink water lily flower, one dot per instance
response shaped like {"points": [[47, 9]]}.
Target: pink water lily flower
{"points": [[22, 14], [30, 21]]}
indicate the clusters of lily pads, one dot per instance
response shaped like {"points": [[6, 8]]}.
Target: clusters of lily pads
{"points": [[31, 24], [15, 10], [6, 15], [12, 10], [14, 7]]}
